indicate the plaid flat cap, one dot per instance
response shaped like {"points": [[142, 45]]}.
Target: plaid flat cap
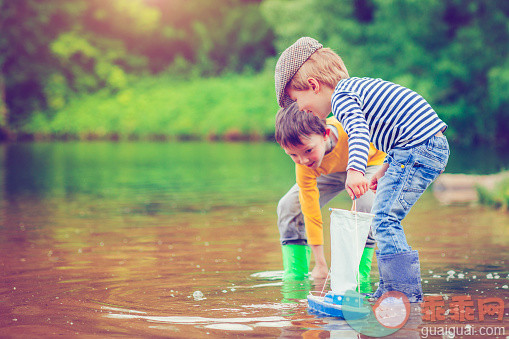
{"points": [[289, 63]]}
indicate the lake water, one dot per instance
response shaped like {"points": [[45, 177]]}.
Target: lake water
{"points": [[180, 240]]}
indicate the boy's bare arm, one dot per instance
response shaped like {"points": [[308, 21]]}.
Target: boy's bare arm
{"points": [[321, 269], [356, 185]]}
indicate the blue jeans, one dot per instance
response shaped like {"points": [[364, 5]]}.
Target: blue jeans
{"points": [[410, 172]]}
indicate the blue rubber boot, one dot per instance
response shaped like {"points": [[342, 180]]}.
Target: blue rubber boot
{"points": [[400, 272]]}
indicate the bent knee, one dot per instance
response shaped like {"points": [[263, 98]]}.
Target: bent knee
{"points": [[384, 221], [288, 204]]}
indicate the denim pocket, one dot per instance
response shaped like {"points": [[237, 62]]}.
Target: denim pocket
{"points": [[420, 176], [394, 173], [440, 143], [435, 155], [436, 149]]}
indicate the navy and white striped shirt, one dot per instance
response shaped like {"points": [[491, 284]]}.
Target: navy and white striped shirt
{"points": [[386, 114]]}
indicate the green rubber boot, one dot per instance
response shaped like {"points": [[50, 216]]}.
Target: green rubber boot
{"points": [[365, 270], [296, 259]]}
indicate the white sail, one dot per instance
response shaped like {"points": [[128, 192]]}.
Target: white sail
{"points": [[349, 231]]}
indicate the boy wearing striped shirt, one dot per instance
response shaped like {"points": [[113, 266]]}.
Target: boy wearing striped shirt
{"points": [[398, 121]]}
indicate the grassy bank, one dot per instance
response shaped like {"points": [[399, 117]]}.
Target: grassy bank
{"points": [[233, 107], [497, 196]]}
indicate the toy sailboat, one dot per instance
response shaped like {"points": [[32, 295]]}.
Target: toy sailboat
{"points": [[349, 231]]}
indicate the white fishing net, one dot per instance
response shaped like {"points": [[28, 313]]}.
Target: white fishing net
{"points": [[349, 231]]}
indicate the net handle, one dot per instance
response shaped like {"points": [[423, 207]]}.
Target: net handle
{"points": [[357, 273]]}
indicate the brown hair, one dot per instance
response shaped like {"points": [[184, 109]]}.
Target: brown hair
{"points": [[324, 65], [292, 125]]}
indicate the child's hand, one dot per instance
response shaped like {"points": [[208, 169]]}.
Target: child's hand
{"points": [[320, 271], [374, 180], [356, 185]]}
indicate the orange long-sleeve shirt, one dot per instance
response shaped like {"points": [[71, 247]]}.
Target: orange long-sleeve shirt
{"points": [[335, 161]]}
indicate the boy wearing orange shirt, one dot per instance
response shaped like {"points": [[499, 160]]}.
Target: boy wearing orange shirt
{"points": [[320, 152]]}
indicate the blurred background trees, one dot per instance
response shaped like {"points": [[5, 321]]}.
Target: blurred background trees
{"points": [[453, 52]]}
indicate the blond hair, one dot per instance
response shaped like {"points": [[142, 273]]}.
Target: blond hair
{"points": [[324, 65]]}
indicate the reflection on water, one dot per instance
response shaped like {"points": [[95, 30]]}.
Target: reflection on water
{"points": [[114, 239]]}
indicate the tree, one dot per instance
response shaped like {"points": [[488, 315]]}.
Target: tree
{"points": [[26, 62], [452, 52], [51, 50]]}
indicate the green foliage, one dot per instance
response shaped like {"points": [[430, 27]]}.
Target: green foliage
{"points": [[452, 52], [28, 27], [497, 197], [235, 41], [166, 106], [52, 50], [55, 52], [90, 66]]}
